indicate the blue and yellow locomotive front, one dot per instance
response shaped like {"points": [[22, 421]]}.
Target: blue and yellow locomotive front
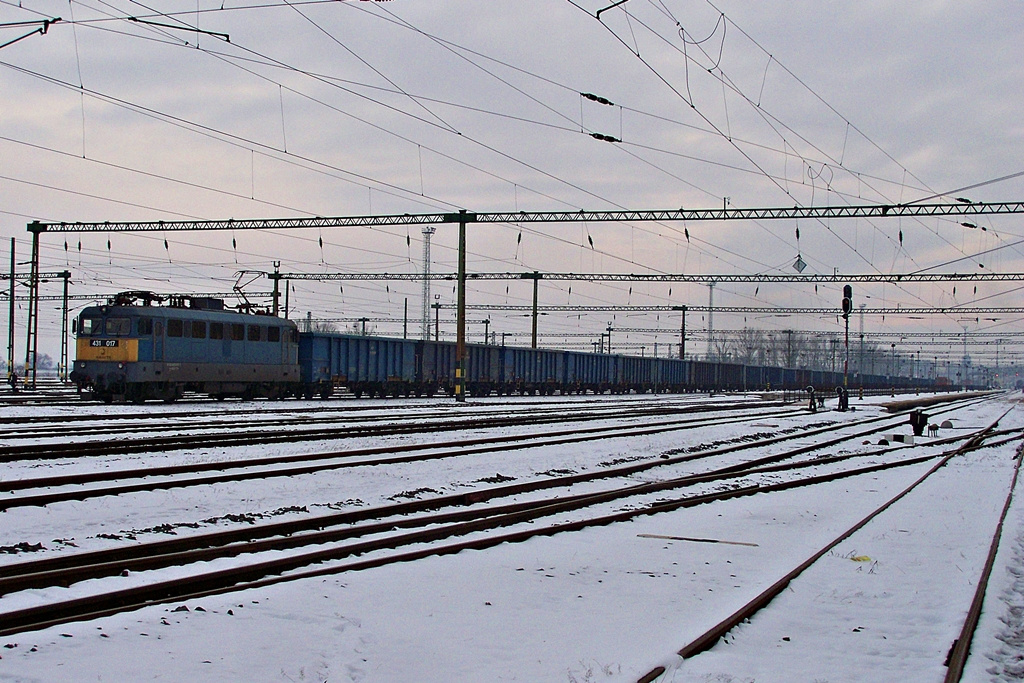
{"points": [[135, 353], [107, 350]]}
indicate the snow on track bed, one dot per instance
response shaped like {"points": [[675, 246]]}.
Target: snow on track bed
{"points": [[603, 601], [888, 602], [599, 604], [131, 515], [997, 654]]}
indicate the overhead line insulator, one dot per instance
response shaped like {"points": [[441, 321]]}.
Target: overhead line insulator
{"points": [[597, 98]]}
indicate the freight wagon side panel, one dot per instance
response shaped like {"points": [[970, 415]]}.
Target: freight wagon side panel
{"points": [[437, 363], [392, 365], [703, 376], [550, 365], [314, 358], [513, 365], [494, 363], [577, 369], [669, 374], [479, 363], [730, 376]]}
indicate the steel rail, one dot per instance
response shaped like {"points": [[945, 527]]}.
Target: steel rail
{"points": [[351, 459], [766, 463], [339, 405], [341, 460], [272, 572], [210, 421], [179, 442], [710, 637], [325, 529], [961, 647]]}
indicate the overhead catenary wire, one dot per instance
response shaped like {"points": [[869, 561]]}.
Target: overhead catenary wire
{"points": [[660, 77], [279, 5]]}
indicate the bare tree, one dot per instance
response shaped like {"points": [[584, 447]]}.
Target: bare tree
{"points": [[322, 326], [748, 346]]}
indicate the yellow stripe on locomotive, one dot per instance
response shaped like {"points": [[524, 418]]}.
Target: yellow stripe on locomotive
{"points": [[116, 350]]}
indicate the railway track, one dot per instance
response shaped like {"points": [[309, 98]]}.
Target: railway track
{"points": [[80, 486], [299, 464], [216, 416], [375, 428], [148, 478], [960, 648], [454, 517]]}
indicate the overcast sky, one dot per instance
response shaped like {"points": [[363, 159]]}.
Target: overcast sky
{"points": [[352, 108]]}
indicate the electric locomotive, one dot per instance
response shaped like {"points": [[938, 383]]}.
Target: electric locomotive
{"points": [[132, 350]]}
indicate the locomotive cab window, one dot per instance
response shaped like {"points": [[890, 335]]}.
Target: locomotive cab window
{"points": [[90, 326], [119, 327], [145, 327], [273, 334], [174, 327]]}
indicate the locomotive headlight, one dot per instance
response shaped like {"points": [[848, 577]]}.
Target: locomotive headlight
{"points": [[120, 366]]}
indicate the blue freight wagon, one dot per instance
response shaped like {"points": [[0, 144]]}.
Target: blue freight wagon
{"points": [[364, 365]]}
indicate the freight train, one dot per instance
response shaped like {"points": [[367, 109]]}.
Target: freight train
{"points": [[132, 350]]}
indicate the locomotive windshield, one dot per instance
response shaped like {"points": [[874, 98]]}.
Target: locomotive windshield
{"points": [[119, 327], [90, 326]]}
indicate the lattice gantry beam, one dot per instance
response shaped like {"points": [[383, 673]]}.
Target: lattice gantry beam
{"points": [[779, 310], [662, 277], [682, 214]]}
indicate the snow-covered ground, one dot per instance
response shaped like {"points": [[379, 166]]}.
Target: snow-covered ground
{"points": [[602, 604]]}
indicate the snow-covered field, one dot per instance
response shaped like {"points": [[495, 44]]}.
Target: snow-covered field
{"points": [[602, 604]]}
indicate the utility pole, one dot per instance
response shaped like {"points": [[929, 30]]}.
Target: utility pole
{"points": [[276, 277], [10, 321], [64, 331], [860, 369], [847, 308], [682, 333], [437, 318], [965, 359], [32, 328], [460, 327], [892, 363], [535, 276], [711, 318]]}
